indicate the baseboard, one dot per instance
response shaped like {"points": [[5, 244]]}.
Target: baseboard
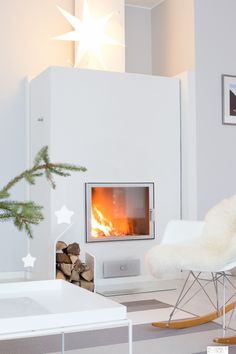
{"points": [[12, 276]]}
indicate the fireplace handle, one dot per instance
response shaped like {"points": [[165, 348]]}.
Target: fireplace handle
{"points": [[152, 214]]}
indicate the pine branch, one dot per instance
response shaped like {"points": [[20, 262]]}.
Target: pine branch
{"points": [[22, 214], [42, 165], [4, 194], [25, 214]]}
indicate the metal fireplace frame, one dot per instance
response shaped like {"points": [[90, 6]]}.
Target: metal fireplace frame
{"points": [[88, 189]]}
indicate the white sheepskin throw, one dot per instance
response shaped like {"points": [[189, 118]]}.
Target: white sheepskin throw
{"points": [[211, 251]]}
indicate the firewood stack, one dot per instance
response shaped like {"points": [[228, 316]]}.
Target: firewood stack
{"points": [[69, 267]]}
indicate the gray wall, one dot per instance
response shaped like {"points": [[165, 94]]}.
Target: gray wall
{"points": [[173, 37], [216, 143], [199, 35], [138, 40]]}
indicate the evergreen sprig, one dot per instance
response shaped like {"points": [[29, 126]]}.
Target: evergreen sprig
{"points": [[25, 214]]}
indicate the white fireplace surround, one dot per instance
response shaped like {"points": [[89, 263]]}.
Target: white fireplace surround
{"points": [[123, 128]]}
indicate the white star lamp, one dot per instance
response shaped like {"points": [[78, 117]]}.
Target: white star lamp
{"points": [[96, 45]]}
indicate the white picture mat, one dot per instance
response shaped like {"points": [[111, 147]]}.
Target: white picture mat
{"points": [[226, 82]]}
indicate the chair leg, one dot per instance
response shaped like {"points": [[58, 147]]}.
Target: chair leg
{"points": [[224, 304], [180, 297], [226, 339]]}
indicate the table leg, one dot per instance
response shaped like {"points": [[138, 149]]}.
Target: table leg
{"points": [[130, 337], [62, 343]]}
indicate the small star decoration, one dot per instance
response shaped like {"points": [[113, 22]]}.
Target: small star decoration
{"points": [[64, 215], [28, 261]]}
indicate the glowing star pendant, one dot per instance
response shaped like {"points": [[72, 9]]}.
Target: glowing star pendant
{"points": [[64, 215], [90, 33], [28, 261]]}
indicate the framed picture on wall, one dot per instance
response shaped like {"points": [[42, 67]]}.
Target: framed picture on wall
{"points": [[229, 99]]}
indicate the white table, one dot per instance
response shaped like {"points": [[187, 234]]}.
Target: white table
{"points": [[44, 308]]}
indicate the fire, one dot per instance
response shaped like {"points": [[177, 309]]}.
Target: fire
{"points": [[103, 227], [100, 226], [118, 212]]}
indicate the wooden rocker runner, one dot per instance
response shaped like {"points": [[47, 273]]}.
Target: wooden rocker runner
{"points": [[196, 321], [226, 340]]}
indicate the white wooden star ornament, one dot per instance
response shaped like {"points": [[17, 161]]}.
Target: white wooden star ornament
{"points": [[90, 33], [64, 215], [28, 261]]}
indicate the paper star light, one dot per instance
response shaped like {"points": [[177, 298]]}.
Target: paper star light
{"points": [[64, 215], [90, 33], [28, 261]]}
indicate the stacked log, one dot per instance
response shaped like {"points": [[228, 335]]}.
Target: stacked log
{"points": [[70, 268]]}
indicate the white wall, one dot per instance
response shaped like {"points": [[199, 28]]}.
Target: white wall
{"points": [[27, 48], [215, 55], [138, 40], [173, 37], [188, 145], [27, 27]]}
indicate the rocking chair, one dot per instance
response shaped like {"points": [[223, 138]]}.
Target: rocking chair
{"points": [[198, 247]]}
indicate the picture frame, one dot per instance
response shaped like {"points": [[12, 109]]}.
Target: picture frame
{"points": [[229, 99]]}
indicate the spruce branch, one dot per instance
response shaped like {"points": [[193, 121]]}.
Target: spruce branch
{"points": [[4, 194], [42, 165], [22, 214], [25, 214]]}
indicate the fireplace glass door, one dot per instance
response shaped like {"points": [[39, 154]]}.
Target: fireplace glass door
{"points": [[118, 212]]}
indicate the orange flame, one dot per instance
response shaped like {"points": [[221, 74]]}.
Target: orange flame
{"points": [[103, 227], [100, 226]]}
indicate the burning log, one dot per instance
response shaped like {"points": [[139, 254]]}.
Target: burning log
{"points": [[70, 268]]}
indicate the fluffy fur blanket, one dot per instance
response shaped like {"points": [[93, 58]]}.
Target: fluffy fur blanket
{"points": [[211, 251]]}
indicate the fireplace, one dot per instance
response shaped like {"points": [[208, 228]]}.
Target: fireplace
{"points": [[119, 211]]}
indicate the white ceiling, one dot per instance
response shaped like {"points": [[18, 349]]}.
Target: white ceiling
{"points": [[143, 3]]}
